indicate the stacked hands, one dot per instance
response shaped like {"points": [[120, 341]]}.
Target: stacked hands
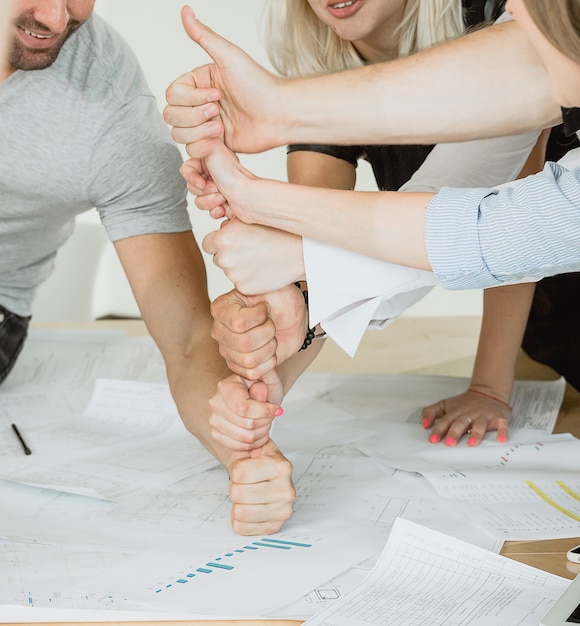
{"points": [[262, 323]]}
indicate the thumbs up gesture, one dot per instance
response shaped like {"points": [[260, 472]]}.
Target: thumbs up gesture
{"points": [[232, 98]]}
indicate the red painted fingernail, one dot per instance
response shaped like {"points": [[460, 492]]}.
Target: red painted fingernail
{"points": [[279, 412], [434, 438], [502, 438], [450, 441], [472, 441], [425, 423]]}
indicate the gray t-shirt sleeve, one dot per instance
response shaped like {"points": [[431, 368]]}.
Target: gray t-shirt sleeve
{"points": [[134, 177]]}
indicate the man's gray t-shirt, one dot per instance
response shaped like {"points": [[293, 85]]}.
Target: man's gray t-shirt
{"points": [[85, 132]]}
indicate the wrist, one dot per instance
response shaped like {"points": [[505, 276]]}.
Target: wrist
{"points": [[312, 333], [484, 393], [287, 126]]}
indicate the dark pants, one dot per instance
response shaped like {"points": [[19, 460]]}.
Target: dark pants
{"points": [[553, 331], [13, 331]]}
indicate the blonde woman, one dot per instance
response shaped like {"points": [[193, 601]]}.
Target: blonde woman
{"points": [[313, 36], [307, 37]]}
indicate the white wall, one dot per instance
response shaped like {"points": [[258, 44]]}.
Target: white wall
{"points": [[154, 31]]}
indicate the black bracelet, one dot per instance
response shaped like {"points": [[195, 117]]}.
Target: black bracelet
{"points": [[311, 331]]}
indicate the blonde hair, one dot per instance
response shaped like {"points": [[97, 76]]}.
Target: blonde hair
{"points": [[559, 22], [299, 43]]}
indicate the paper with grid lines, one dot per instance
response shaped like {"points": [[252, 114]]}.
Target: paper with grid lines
{"points": [[426, 577]]}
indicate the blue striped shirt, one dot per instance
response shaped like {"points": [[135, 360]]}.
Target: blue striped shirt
{"points": [[478, 238]]}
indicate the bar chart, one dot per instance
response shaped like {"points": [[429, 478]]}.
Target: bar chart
{"points": [[192, 573], [229, 561]]}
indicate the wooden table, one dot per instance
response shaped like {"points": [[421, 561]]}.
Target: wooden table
{"points": [[443, 346]]}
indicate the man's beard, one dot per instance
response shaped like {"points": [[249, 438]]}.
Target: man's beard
{"points": [[23, 58]]}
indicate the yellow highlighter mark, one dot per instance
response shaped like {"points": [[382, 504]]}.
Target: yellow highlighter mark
{"points": [[567, 489], [551, 502]]}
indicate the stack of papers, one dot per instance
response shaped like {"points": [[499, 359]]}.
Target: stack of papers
{"points": [[425, 577], [131, 514]]}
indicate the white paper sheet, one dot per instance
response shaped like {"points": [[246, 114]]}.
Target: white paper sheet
{"points": [[399, 398], [517, 491], [336, 483], [72, 360], [130, 439], [425, 577], [326, 421], [251, 575], [518, 505]]}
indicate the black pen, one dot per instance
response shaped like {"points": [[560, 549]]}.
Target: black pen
{"points": [[26, 449]]}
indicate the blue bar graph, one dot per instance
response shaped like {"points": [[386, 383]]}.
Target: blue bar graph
{"points": [[287, 543], [220, 566], [272, 545]]}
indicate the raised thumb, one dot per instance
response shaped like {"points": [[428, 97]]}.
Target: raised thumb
{"points": [[205, 37]]}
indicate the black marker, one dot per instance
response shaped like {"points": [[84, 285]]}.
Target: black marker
{"points": [[26, 449]]}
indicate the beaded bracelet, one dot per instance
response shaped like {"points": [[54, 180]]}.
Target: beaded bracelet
{"points": [[311, 332], [490, 396], [307, 340]]}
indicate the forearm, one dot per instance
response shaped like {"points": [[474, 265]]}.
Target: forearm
{"points": [[193, 372], [505, 315], [290, 370], [194, 367], [485, 84], [167, 276], [384, 225], [193, 381]]}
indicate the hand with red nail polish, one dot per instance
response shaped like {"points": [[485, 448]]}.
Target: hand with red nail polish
{"points": [[469, 413], [242, 411]]}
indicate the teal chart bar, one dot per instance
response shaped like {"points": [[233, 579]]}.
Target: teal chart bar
{"points": [[227, 562]]}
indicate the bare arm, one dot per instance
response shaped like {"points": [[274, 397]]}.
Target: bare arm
{"points": [[383, 225], [316, 169], [487, 405], [484, 84], [505, 315], [167, 276], [506, 311], [396, 227]]}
